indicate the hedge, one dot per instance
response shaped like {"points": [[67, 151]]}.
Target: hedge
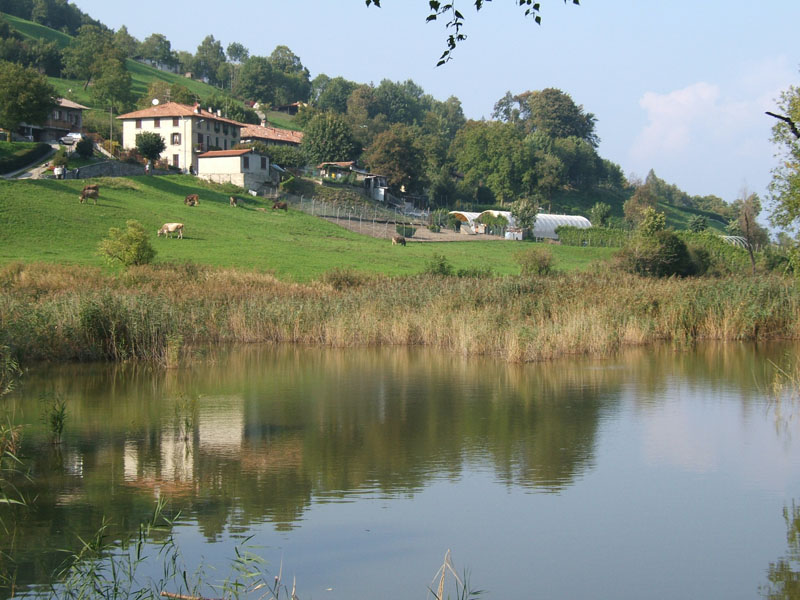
{"points": [[592, 236], [16, 155]]}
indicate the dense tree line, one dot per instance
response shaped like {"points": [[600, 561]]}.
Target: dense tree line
{"points": [[60, 15]]}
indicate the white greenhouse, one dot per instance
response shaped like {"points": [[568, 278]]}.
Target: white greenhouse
{"points": [[545, 226]]}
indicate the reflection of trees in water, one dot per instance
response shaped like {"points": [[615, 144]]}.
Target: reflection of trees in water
{"points": [[278, 427], [784, 574]]}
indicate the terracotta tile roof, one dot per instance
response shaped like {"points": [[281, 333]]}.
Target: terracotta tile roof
{"points": [[63, 102], [259, 132], [174, 109], [215, 153]]}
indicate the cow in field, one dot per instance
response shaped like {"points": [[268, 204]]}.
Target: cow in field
{"points": [[280, 206], [89, 193], [398, 240], [167, 229], [192, 200], [92, 186], [234, 201]]}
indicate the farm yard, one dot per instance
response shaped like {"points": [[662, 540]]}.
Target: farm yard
{"points": [[43, 221]]}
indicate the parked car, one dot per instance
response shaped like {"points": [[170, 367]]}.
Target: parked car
{"points": [[71, 138]]}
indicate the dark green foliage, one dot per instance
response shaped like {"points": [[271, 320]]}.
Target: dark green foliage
{"points": [[604, 237], [85, 148], [600, 214], [405, 230], [16, 155], [25, 96], [476, 272], [698, 224], [150, 144], [60, 157], [534, 261], [290, 186], [328, 138], [662, 254]]}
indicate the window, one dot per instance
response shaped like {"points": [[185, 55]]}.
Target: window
{"points": [[200, 139], [216, 142], [225, 143], [176, 139], [138, 123], [225, 128], [156, 122], [264, 162], [246, 163], [176, 160], [175, 121]]}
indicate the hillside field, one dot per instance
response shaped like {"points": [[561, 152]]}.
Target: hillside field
{"points": [[42, 220]]}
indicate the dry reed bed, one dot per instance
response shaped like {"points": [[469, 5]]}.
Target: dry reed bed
{"points": [[76, 313]]}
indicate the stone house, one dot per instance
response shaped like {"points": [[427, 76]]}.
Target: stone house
{"points": [[244, 167]]}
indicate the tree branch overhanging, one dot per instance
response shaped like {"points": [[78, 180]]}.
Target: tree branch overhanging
{"points": [[792, 125]]}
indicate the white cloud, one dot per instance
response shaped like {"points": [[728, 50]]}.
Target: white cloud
{"points": [[674, 119]]}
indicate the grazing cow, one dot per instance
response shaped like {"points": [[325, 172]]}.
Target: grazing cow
{"points": [[234, 201], [398, 239], [280, 206], [167, 229], [192, 200], [89, 193], [92, 186]]}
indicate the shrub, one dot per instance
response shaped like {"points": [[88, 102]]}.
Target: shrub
{"points": [[476, 272], [20, 154], [438, 265], [606, 237], [129, 247], [434, 228], [662, 254], [340, 279], [85, 148], [60, 157], [290, 186], [405, 230], [534, 261]]}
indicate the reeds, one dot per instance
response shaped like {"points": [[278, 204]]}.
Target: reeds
{"points": [[155, 313]]}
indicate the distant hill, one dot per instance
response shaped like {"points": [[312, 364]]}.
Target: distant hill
{"points": [[142, 75]]}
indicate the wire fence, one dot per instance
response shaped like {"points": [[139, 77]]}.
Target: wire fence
{"points": [[376, 221]]}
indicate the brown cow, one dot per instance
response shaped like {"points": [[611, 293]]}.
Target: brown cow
{"points": [[398, 239], [234, 201], [280, 206], [92, 186], [192, 200], [167, 229], [89, 193]]}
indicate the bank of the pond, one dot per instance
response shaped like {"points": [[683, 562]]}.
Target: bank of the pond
{"points": [[65, 313]]}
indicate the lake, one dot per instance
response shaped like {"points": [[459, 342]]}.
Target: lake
{"points": [[659, 473]]}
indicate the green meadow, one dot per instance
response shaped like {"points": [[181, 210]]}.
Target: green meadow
{"points": [[42, 221]]}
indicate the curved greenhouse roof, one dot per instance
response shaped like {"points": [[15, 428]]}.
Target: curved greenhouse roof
{"points": [[546, 225]]}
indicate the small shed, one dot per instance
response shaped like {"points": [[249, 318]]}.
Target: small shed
{"points": [[245, 167]]}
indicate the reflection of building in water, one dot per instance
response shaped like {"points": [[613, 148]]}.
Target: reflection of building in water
{"points": [[216, 429]]}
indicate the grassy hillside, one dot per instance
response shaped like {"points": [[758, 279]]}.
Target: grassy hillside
{"points": [[580, 203], [42, 220], [141, 75]]}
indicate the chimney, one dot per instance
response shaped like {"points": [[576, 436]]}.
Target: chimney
{"points": [[197, 108], [219, 112], [263, 122]]}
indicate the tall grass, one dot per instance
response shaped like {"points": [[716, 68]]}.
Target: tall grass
{"points": [[156, 313]]}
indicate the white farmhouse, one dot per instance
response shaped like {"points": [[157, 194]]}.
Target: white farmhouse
{"points": [[245, 167], [187, 131]]}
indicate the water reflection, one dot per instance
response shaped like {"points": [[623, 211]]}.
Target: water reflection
{"points": [[261, 434]]}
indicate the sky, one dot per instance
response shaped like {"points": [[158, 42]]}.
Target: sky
{"points": [[679, 87]]}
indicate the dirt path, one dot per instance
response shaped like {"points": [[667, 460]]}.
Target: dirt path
{"points": [[422, 234]]}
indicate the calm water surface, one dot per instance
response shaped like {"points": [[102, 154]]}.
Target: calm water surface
{"points": [[656, 474]]}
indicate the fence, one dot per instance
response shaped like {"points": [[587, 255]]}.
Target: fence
{"points": [[375, 221]]}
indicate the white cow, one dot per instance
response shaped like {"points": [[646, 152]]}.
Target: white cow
{"points": [[169, 228]]}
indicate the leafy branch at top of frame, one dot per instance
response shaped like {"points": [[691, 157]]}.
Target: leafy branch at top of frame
{"points": [[456, 19]]}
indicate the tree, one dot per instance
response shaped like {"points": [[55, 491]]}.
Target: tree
{"points": [[652, 222], [150, 145], [329, 138], [237, 53], [698, 224], [455, 19], [208, 59], [396, 154], [333, 93], [748, 207], [157, 49], [635, 206], [549, 111], [785, 185], [25, 97], [130, 247], [127, 44], [82, 58], [524, 212], [600, 214], [113, 84]]}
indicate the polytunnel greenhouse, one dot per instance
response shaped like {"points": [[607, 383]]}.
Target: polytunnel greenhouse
{"points": [[545, 226]]}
